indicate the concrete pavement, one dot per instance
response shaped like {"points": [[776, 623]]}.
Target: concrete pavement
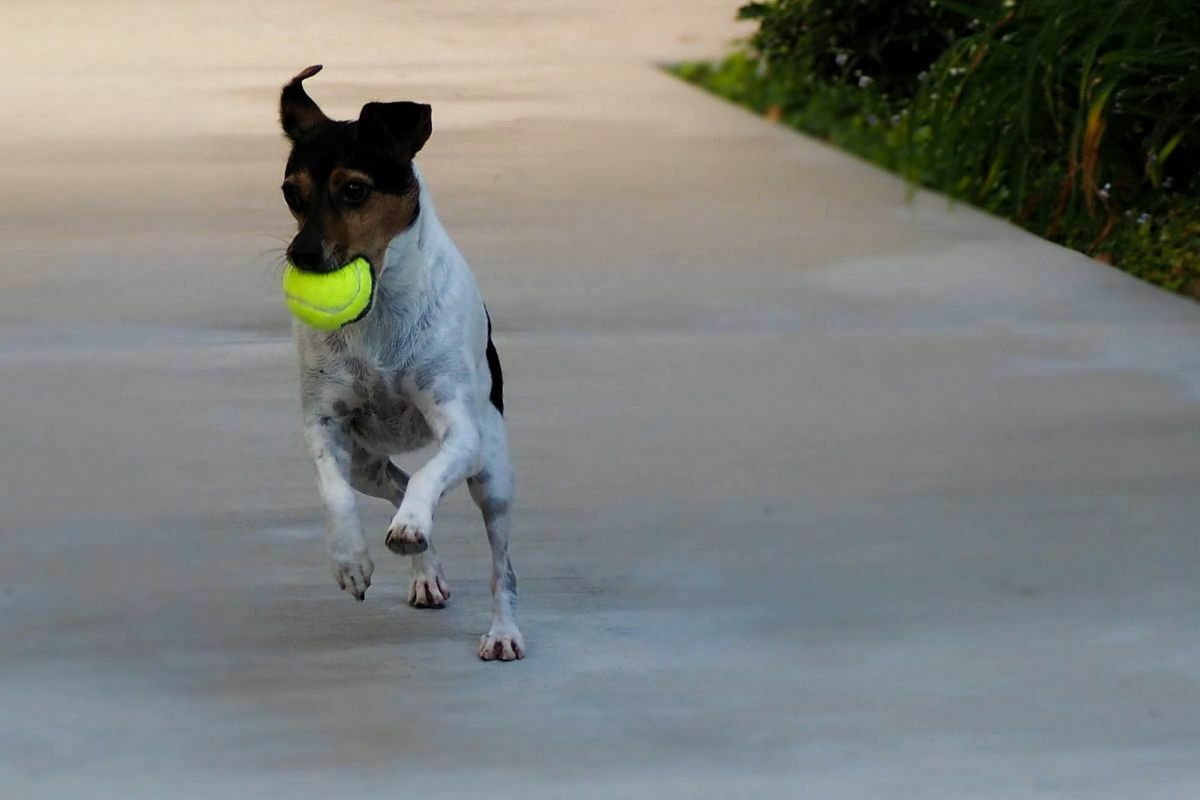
{"points": [[822, 494]]}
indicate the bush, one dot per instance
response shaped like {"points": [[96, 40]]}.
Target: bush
{"points": [[1078, 119], [1063, 108], [884, 42]]}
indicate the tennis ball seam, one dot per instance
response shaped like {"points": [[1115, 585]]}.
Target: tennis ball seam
{"points": [[330, 309]]}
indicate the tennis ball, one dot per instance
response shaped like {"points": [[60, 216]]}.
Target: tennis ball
{"points": [[329, 300]]}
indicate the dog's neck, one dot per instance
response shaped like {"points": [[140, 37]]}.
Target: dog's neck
{"points": [[417, 266], [415, 257]]}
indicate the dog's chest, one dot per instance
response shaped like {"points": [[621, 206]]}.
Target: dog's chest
{"points": [[371, 404]]}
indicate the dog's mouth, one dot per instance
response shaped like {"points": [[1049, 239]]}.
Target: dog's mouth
{"points": [[325, 266]]}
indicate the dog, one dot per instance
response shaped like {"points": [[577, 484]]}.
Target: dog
{"points": [[418, 368]]}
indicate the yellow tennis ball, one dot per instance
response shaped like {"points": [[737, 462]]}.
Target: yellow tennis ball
{"points": [[329, 300]]}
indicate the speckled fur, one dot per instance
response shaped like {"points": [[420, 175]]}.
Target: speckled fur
{"points": [[412, 372]]}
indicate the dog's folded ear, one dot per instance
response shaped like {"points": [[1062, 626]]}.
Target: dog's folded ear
{"points": [[401, 128], [297, 112]]}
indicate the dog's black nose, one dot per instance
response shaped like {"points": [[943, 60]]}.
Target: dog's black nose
{"points": [[306, 255]]}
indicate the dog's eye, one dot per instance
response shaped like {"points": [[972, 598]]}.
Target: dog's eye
{"points": [[354, 193], [292, 197]]}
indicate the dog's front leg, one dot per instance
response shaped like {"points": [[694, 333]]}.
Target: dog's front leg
{"points": [[329, 447], [458, 451]]}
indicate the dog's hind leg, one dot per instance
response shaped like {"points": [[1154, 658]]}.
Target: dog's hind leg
{"points": [[375, 475], [492, 490]]}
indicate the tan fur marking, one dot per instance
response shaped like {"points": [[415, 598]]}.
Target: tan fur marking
{"points": [[302, 182], [367, 229]]}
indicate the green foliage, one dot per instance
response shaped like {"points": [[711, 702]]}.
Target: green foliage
{"points": [[882, 42], [1162, 247], [1064, 110], [1078, 119]]}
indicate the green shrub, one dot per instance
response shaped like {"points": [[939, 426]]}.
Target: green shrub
{"points": [[887, 43], [1065, 110], [1079, 119]]}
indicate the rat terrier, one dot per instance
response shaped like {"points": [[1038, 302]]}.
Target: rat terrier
{"points": [[418, 367]]}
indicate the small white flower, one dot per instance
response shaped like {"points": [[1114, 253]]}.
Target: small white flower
{"points": [[865, 81], [1143, 218], [1168, 182], [841, 59], [1104, 191]]}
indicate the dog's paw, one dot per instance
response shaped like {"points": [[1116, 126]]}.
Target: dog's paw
{"points": [[409, 532], [428, 589], [352, 571], [502, 643]]}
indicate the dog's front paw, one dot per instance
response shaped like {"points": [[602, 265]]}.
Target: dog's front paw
{"points": [[428, 589], [352, 571], [409, 532], [502, 643]]}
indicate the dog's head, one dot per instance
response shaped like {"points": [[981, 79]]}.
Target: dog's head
{"points": [[350, 185]]}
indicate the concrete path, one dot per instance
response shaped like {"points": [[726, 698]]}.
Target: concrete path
{"points": [[822, 494]]}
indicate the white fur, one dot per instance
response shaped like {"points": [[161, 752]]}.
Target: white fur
{"points": [[411, 372]]}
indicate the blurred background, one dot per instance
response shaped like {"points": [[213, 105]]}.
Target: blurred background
{"points": [[826, 486]]}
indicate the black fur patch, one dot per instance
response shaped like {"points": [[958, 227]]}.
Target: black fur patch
{"points": [[338, 144], [493, 359]]}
